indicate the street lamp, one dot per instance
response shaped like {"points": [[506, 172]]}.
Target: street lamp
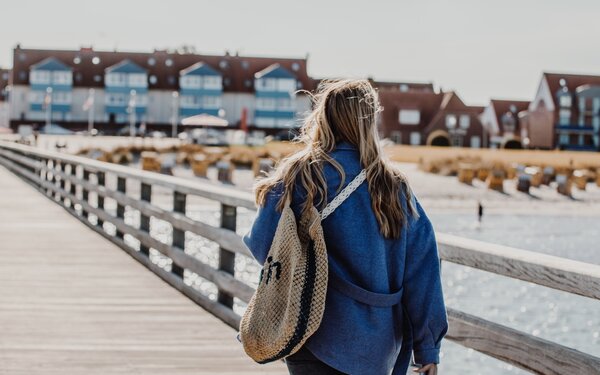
{"points": [[131, 110], [174, 114], [48, 103]]}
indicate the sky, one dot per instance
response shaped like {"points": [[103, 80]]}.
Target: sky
{"points": [[479, 48]]}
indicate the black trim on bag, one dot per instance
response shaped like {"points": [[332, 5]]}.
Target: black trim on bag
{"points": [[305, 306]]}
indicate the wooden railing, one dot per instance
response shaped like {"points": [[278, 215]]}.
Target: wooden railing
{"points": [[72, 182]]}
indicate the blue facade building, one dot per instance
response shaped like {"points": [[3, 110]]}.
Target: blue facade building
{"points": [[275, 89], [200, 90], [50, 89], [126, 85]]}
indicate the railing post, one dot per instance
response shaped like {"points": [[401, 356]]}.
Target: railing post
{"points": [[179, 203], [146, 196], [85, 194], [226, 257], [122, 188], [72, 185], [63, 181], [100, 198]]}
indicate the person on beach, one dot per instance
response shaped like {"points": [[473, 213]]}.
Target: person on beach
{"points": [[379, 240]]}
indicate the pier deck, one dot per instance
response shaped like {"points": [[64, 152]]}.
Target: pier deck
{"points": [[71, 302]]}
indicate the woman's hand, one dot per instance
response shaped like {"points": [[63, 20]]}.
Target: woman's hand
{"points": [[430, 369]]}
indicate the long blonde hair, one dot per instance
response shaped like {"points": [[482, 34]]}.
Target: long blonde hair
{"points": [[343, 110]]}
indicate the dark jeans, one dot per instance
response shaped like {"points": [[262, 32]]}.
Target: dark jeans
{"points": [[303, 362]]}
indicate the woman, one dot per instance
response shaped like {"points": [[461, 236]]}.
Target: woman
{"points": [[379, 239]]}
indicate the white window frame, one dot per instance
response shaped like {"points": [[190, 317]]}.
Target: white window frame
{"points": [[451, 121], [286, 85], [61, 97], [266, 104], [464, 121], [211, 102], [137, 80], [565, 101], [409, 116], [62, 78], [415, 138], [564, 116], [264, 122], [213, 82], [115, 79], [475, 141], [40, 77]]}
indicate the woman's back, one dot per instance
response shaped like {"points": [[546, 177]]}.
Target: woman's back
{"points": [[384, 296]]}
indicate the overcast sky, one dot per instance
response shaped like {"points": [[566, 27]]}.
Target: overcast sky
{"points": [[479, 48]]}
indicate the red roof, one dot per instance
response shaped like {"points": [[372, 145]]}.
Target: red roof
{"points": [[571, 81], [89, 65]]}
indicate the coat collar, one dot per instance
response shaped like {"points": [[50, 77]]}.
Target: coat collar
{"points": [[344, 145]]}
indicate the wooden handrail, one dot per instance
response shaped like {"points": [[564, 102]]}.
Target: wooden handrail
{"points": [[50, 172]]}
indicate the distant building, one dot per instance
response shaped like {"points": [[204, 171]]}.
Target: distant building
{"points": [[501, 123], [4, 92], [565, 113], [159, 86], [424, 117]]}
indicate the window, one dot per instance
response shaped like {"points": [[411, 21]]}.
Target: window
{"points": [[115, 79], [151, 61], [137, 80], [451, 121], [62, 78], [153, 80], [213, 102], [295, 67], [77, 60], [189, 101], [285, 104], [403, 87], [95, 60], [415, 138], [564, 117], [266, 103], [190, 82], [475, 141], [563, 139], [40, 77], [265, 122], [266, 84], [169, 62], [212, 82], [396, 137], [116, 99], [464, 121], [36, 96], [409, 116], [286, 84], [565, 101], [61, 97]]}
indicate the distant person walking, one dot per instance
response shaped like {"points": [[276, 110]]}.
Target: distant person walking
{"points": [[479, 211], [380, 243]]}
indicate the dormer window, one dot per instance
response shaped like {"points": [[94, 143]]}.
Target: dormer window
{"points": [[508, 122], [409, 116], [464, 121], [565, 100], [451, 121]]}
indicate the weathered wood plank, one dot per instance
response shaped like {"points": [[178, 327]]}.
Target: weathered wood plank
{"points": [[554, 272], [218, 192], [528, 352], [73, 303]]}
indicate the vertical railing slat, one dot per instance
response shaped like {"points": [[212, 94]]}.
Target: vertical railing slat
{"points": [[179, 203], [226, 257], [146, 196], [100, 176], [122, 188]]}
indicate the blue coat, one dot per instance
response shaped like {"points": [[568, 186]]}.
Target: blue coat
{"points": [[385, 302]]}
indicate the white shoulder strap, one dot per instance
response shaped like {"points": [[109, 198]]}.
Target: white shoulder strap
{"points": [[345, 193]]}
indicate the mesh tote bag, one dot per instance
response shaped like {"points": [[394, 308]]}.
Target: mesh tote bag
{"points": [[288, 304]]}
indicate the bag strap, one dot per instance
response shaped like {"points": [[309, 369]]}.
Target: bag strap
{"points": [[345, 193]]}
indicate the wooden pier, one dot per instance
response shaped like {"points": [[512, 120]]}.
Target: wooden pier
{"points": [[72, 301]]}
